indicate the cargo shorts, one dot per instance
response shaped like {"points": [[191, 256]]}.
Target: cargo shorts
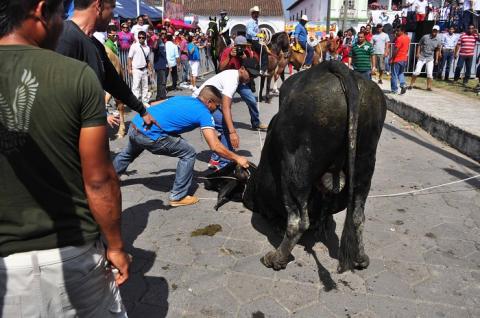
{"points": [[380, 62]]}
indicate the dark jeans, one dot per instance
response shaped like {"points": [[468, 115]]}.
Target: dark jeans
{"points": [[310, 51], [467, 60], [172, 146], [247, 95], [161, 84], [264, 56], [365, 74], [185, 70], [398, 75], [448, 56], [174, 76]]}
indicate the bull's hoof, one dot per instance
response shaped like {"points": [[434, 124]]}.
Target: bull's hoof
{"points": [[362, 262], [273, 260]]}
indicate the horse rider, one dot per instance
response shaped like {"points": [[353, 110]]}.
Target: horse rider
{"points": [[253, 37], [301, 37], [224, 27]]}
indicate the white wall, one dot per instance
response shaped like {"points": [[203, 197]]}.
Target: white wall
{"points": [[316, 10], [277, 24]]}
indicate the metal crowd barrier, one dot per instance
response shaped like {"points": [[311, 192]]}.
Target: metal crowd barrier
{"points": [[206, 67], [412, 61]]}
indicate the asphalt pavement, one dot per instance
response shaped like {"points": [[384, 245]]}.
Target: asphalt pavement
{"points": [[424, 248]]}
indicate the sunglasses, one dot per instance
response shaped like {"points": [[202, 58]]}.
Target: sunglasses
{"points": [[141, 37]]}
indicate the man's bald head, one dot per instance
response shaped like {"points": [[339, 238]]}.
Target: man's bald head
{"points": [[212, 93]]}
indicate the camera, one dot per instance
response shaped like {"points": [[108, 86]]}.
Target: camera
{"points": [[239, 50]]}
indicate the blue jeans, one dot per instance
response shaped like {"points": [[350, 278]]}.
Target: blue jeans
{"points": [[398, 69], [366, 74], [310, 51], [246, 94], [467, 60], [185, 70], [388, 67], [221, 127], [447, 58], [172, 146]]}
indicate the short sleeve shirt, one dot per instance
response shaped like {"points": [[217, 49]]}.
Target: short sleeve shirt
{"points": [[361, 56], [226, 82], [380, 41], [45, 100], [402, 44], [176, 116], [428, 44]]}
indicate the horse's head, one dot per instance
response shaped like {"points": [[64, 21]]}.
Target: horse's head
{"points": [[212, 26], [281, 42]]}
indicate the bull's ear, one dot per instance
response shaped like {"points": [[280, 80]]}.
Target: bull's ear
{"points": [[225, 192]]}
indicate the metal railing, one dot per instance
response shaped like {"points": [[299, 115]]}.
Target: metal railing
{"points": [[206, 67], [412, 61]]}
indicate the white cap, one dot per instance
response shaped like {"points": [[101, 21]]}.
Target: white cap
{"points": [[255, 9], [304, 17], [436, 27]]}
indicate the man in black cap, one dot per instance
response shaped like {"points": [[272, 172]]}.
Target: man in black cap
{"points": [[228, 82]]}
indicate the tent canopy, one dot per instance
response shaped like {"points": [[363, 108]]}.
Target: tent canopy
{"points": [[128, 9]]}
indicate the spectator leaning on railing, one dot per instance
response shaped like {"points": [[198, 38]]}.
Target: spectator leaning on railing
{"points": [[465, 51], [428, 53]]}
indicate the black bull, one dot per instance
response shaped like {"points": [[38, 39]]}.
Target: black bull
{"points": [[324, 136]]}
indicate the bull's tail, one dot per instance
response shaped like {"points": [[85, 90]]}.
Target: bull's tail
{"points": [[349, 242]]}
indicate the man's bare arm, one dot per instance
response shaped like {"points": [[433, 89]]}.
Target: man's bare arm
{"points": [[103, 193], [215, 145]]}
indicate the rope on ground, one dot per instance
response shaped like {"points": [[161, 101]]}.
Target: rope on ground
{"points": [[421, 190]]}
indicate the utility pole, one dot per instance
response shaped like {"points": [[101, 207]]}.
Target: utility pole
{"points": [[138, 8], [345, 12], [329, 8]]}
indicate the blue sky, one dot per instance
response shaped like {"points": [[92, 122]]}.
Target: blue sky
{"points": [[286, 4]]}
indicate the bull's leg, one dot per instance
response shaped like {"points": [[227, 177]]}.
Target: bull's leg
{"points": [[296, 204], [121, 111]]}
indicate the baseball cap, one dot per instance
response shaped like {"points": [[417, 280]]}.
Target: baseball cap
{"points": [[240, 40], [436, 27], [252, 67]]}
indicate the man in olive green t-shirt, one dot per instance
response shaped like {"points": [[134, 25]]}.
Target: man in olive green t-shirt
{"points": [[58, 188]]}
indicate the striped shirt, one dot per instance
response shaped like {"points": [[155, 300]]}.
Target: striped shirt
{"points": [[467, 44], [361, 56]]}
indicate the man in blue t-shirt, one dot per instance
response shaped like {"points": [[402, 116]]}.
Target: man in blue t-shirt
{"points": [[301, 36], [193, 59], [175, 116]]}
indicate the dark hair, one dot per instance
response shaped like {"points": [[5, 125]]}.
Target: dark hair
{"points": [[142, 33], [140, 16], [13, 13], [209, 91], [83, 4], [169, 37], [190, 38], [361, 32], [401, 28], [111, 28]]}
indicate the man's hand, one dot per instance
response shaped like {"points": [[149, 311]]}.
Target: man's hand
{"points": [[436, 62], [113, 120], [121, 261], [233, 52], [149, 121], [234, 139], [242, 161]]}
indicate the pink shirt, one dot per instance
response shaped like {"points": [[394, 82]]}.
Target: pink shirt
{"points": [[183, 48], [125, 39]]}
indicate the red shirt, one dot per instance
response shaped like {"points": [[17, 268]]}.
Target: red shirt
{"points": [[368, 37], [235, 62], [344, 50], [467, 44], [402, 44]]}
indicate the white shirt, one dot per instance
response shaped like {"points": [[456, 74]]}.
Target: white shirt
{"points": [[421, 6], [172, 54], [411, 4], [137, 28], [100, 36], [137, 56], [476, 5], [467, 5], [226, 82]]}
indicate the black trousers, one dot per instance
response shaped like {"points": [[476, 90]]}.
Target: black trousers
{"points": [[161, 84], [174, 76], [264, 54]]}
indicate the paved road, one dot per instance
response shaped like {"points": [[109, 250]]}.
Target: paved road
{"points": [[424, 249]]}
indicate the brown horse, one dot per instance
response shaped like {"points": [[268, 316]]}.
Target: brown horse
{"points": [[277, 49], [298, 59]]}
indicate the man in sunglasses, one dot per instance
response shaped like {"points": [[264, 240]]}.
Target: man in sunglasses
{"points": [[176, 116], [76, 41], [228, 82]]}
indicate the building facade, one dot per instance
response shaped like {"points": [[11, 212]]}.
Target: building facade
{"points": [[271, 13]]}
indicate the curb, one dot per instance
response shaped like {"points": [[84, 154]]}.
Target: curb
{"points": [[465, 142]]}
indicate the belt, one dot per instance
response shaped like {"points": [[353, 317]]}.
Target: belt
{"points": [[44, 257]]}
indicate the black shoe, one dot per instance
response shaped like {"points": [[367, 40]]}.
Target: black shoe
{"points": [[403, 90]]}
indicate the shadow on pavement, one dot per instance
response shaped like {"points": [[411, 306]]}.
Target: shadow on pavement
{"points": [[308, 240], [158, 183], [141, 289], [447, 154]]}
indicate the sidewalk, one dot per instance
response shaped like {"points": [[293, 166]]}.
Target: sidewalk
{"points": [[450, 117]]}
